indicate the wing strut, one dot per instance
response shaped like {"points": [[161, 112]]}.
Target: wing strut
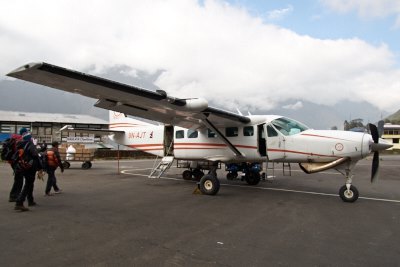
{"points": [[223, 138]]}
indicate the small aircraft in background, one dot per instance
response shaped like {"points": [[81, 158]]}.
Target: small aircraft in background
{"points": [[198, 133]]}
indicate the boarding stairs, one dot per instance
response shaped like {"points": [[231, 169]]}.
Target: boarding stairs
{"points": [[162, 166], [286, 169]]}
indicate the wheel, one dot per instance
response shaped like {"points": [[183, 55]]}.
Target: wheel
{"points": [[197, 174], [209, 185], [90, 164], [230, 176], [253, 178], [66, 164], [348, 195], [85, 165], [187, 175]]}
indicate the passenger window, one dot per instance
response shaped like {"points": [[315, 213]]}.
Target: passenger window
{"points": [[193, 134], [211, 134], [271, 131], [231, 131], [248, 131], [180, 134]]}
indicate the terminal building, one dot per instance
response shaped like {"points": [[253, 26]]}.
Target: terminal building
{"points": [[45, 127], [391, 133]]}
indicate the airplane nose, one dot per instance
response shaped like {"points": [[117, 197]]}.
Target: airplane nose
{"points": [[381, 145]]}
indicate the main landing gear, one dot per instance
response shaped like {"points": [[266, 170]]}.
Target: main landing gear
{"points": [[209, 184], [348, 192], [251, 170]]}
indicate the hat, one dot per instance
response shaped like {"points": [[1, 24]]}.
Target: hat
{"points": [[23, 130]]}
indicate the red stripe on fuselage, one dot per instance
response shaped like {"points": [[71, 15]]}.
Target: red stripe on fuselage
{"points": [[300, 152], [322, 136]]}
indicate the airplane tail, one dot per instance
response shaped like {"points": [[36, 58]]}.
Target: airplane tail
{"points": [[120, 120]]}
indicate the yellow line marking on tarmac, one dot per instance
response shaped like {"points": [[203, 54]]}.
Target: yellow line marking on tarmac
{"points": [[127, 172]]}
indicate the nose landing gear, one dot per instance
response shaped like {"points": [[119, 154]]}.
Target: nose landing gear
{"points": [[348, 192]]}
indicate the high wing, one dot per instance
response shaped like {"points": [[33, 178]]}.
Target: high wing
{"points": [[131, 100]]}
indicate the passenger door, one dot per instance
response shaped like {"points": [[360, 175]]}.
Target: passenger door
{"points": [[275, 144]]}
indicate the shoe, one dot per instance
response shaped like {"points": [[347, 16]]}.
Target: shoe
{"points": [[21, 208], [58, 192], [48, 194], [31, 204]]}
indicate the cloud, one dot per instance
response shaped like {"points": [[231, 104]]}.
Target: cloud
{"points": [[295, 106], [213, 50], [278, 14], [365, 8]]}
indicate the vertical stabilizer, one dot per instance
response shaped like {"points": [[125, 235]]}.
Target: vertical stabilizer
{"points": [[120, 120]]}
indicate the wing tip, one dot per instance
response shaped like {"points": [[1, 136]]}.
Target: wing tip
{"points": [[14, 73]]}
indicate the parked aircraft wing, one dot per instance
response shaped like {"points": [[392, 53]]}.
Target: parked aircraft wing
{"points": [[69, 128], [131, 100]]}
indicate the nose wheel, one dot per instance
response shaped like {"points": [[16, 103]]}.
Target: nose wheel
{"points": [[348, 193]]}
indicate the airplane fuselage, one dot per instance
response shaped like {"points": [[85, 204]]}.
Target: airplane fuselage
{"points": [[257, 141]]}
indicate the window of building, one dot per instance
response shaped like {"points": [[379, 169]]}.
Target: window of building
{"points": [[211, 134], [193, 134], [395, 140], [48, 130], [8, 128], [180, 134], [231, 131], [248, 131]]}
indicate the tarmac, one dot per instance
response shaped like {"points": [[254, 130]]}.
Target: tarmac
{"points": [[104, 218]]}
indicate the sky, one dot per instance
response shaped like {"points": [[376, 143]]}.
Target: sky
{"points": [[248, 54]]}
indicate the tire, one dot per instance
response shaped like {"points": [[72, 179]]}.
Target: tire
{"points": [[90, 164], [187, 175], [66, 164], [253, 178], [209, 185], [230, 176], [85, 165], [348, 196]]}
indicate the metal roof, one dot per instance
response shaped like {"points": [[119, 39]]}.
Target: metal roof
{"points": [[391, 126], [22, 116]]}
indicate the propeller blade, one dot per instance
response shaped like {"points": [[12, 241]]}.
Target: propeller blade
{"points": [[375, 167], [374, 132]]}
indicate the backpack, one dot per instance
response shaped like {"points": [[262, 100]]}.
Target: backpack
{"points": [[51, 159], [9, 148], [22, 161]]}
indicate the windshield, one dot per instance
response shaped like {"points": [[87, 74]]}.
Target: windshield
{"points": [[288, 126]]}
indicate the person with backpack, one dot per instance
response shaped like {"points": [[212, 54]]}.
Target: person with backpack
{"points": [[26, 162], [52, 163], [9, 148]]}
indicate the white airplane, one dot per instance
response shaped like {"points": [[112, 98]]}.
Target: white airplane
{"points": [[194, 131]]}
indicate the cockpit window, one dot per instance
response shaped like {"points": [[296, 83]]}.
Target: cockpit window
{"points": [[288, 126]]}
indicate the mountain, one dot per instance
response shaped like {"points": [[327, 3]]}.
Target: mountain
{"points": [[394, 118]]}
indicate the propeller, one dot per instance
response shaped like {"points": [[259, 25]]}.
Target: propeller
{"points": [[374, 147]]}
